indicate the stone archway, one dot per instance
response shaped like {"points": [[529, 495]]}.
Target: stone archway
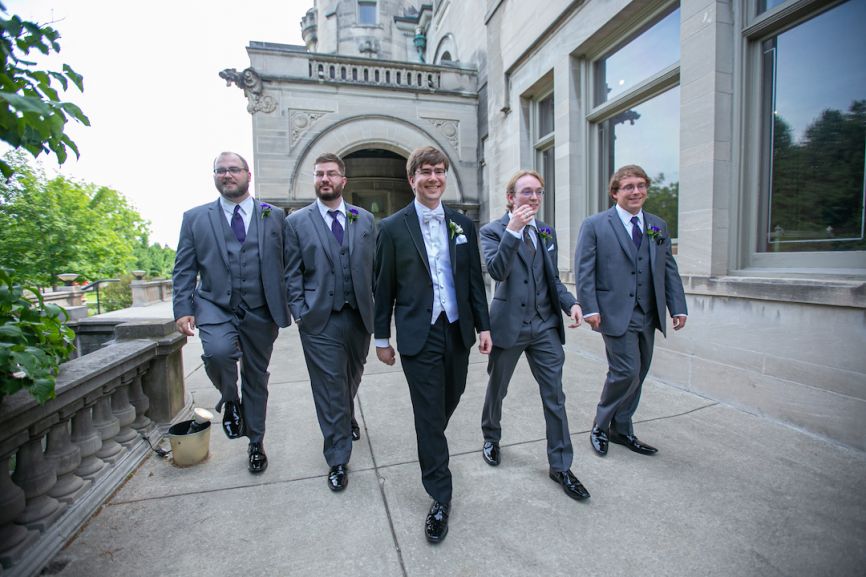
{"points": [[377, 181]]}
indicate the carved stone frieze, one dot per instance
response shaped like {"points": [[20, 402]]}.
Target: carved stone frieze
{"points": [[449, 128], [251, 83], [300, 122]]}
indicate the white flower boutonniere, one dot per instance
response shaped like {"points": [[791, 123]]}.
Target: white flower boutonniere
{"points": [[456, 229]]}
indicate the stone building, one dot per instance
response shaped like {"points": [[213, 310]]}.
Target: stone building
{"points": [[749, 114]]}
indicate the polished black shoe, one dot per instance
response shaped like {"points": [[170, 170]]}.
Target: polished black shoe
{"points": [[233, 420], [356, 430], [632, 443], [338, 478], [572, 487], [436, 524], [257, 457], [490, 452], [599, 440]]}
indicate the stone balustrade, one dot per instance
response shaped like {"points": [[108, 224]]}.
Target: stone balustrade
{"points": [[71, 453], [148, 292]]}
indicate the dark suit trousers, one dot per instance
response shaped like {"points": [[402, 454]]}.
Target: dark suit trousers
{"points": [[335, 360], [628, 358], [248, 338], [546, 357], [436, 378]]}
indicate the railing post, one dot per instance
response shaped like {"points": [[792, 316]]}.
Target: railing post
{"points": [[87, 439], [66, 458], [36, 476], [14, 538]]}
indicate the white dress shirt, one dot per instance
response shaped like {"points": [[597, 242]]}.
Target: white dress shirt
{"points": [[246, 210], [435, 233]]}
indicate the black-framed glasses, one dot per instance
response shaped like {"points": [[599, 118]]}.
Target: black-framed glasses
{"points": [[329, 174], [231, 169], [630, 187]]}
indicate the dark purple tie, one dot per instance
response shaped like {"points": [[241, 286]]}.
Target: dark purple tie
{"points": [[238, 225], [336, 227], [636, 234]]}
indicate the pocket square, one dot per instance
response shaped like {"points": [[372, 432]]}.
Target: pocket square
{"points": [[550, 247], [461, 239]]}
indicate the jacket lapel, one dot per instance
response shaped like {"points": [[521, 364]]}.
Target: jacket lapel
{"points": [[351, 228], [410, 215], [260, 229], [216, 213], [452, 238], [321, 229], [619, 231], [649, 219]]}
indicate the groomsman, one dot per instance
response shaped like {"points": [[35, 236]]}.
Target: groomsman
{"points": [[235, 248], [330, 277], [626, 275], [428, 276], [521, 256]]}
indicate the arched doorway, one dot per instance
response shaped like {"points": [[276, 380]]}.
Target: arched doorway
{"points": [[377, 181]]}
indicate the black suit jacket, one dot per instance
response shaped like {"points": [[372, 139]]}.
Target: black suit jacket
{"points": [[404, 286]]}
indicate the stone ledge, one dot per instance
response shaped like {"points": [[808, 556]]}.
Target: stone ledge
{"points": [[795, 290]]}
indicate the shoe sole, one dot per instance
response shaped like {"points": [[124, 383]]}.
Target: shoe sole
{"points": [[436, 540], [633, 450]]}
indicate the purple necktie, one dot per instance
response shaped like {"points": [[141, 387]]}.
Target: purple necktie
{"points": [[238, 225], [636, 234], [336, 227]]}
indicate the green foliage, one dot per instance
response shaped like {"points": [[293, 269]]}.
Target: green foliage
{"points": [[116, 295], [663, 201], [59, 225], [33, 340], [155, 260], [32, 116]]}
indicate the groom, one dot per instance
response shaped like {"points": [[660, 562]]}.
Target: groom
{"points": [[428, 276]]}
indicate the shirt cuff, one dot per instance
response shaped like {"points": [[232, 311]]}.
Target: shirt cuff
{"points": [[382, 343]]}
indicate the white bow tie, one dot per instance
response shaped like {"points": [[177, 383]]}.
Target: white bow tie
{"points": [[429, 215]]}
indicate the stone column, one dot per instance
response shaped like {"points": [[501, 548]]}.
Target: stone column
{"points": [[139, 400], [36, 476], [14, 538], [124, 411], [108, 426], [87, 439], [66, 458]]}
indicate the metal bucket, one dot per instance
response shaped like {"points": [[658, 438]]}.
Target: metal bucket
{"points": [[190, 448]]}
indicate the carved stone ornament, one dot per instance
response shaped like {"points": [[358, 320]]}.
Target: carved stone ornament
{"points": [[449, 128], [251, 83], [300, 122]]}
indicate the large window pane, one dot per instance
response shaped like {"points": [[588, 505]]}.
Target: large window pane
{"points": [[545, 116], [654, 50], [366, 12], [547, 168], [814, 93], [648, 135]]}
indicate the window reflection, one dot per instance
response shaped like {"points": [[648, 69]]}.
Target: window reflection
{"points": [[366, 12], [654, 50], [814, 94], [648, 135], [545, 116], [764, 5]]}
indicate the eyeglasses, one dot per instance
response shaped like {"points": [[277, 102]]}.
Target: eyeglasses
{"points": [[630, 187], [427, 173], [232, 169], [329, 174], [526, 193]]}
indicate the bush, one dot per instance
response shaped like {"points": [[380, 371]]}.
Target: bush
{"points": [[33, 341], [116, 295]]}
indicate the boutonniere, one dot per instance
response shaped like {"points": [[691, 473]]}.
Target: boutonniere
{"points": [[545, 233], [655, 233], [456, 229], [266, 209], [352, 215]]}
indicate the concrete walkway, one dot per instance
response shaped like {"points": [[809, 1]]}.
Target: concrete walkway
{"points": [[729, 494]]}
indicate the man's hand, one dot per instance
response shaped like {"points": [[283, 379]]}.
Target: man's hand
{"points": [[485, 343], [594, 321], [576, 315], [186, 325], [679, 322], [520, 217], [386, 354]]}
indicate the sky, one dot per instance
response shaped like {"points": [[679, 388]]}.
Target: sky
{"points": [[158, 109]]}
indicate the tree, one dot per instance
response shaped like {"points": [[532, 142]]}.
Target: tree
{"points": [[32, 116]]}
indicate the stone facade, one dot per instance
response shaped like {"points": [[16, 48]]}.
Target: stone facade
{"points": [[777, 335]]}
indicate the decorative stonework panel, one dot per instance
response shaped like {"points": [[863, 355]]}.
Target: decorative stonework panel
{"points": [[449, 128], [300, 122], [251, 83]]}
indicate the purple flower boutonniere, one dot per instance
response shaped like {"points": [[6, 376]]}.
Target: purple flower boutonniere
{"points": [[655, 233], [545, 233], [266, 209], [352, 215]]}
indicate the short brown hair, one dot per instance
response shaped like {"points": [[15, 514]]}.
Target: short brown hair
{"points": [[330, 157], [625, 172], [512, 183], [425, 155], [227, 153]]}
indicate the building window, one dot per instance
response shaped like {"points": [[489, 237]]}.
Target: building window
{"points": [[813, 130], [367, 12], [636, 119], [543, 121]]}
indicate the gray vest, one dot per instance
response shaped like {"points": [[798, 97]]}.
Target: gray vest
{"points": [[644, 292], [344, 293], [538, 302], [245, 268]]}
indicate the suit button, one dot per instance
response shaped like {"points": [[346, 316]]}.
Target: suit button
{"points": [[630, 294], [526, 282], [632, 272]]}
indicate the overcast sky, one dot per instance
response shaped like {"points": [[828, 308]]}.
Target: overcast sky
{"points": [[159, 111]]}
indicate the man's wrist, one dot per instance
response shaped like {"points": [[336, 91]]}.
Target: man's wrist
{"points": [[382, 343]]}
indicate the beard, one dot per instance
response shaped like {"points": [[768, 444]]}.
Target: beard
{"points": [[232, 190], [333, 194]]}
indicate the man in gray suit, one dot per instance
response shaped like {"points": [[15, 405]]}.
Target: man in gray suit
{"points": [[235, 246], [521, 256], [626, 274], [330, 281]]}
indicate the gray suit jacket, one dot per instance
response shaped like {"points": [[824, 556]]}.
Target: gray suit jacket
{"points": [[201, 251], [508, 263], [605, 263], [311, 270]]}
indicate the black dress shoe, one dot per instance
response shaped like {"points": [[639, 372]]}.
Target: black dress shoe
{"points": [[599, 440], [572, 487], [338, 478], [632, 442], [490, 452], [233, 420], [257, 457], [436, 524], [356, 430]]}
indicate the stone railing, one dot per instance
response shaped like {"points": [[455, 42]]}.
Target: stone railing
{"points": [[71, 453], [147, 292]]}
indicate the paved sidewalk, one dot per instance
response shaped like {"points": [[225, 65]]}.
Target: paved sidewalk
{"points": [[729, 494]]}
